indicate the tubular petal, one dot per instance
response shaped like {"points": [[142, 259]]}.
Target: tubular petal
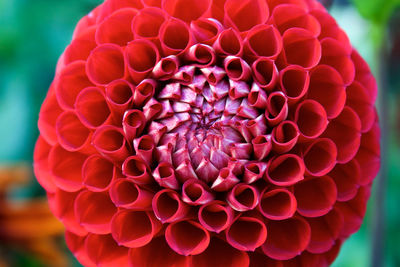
{"points": [[219, 253], [284, 137], [332, 86], [246, 233], [324, 231], [104, 251], [228, 42], [175, 37], [110, 142], [206, 30], [147, 23], [287, 238], [311, 119], [176, 237], [286, 16], [194, 192], [72, 134], [347, 178], [116, 28], [94, 211], [119, 94], [89, 99], [66, 166], [243, 15], [187, 10], [70, 82], [315, 196], [105, 64], [320, 157], [49, 113], [137, 170], [277, 108], [168, 207], [264, 41], [41, 166], [277, 204], [134, 229], [294, 81], [243, 197], [125, 193], [265, 73], [215, 216], [97, 173], [301, 48], [141, 56], [285, 170], [345, 132], [165, 256]]}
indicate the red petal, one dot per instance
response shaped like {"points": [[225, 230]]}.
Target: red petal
{"points": [[215, 216], [116, 28], [177, 234], [147, 23], [229, 42], [175, 37], [70, 82], [265, 73], [324, 231], [133, 123], [246, 233], [311, 119], [264, 41], [346, 177], [105, 64], [119, 95], [97, 173], [89, 99], [80, 46], [243, 15], [336, 55], [294, 81], [285, 170], [277, 204], [284, 137], [243, 197], [187, 10], [219, 253], [194, 192], [320, 157], [137, 170], [315, 196], [141, 56], [41, 165], [345, 132], [327, 88], [287, 238], [277, 108], [104, 251], [48, 115], [156, 254], [206, 30], [125, 193], [288, 16], [168, 207], [94, 211], [72, 134], [134, 228], [301, 48], [111, 143], [66, 168]]}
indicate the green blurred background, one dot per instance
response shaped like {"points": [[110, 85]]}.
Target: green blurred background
{"points": [[34, 33]]}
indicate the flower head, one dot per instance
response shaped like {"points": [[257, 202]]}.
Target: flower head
{"points": [[208, 133]]}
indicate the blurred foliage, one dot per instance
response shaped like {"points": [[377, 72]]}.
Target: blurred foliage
{"points": [[33, 34]]}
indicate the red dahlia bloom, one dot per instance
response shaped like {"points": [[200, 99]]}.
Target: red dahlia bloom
{"points": [[209, 133]]}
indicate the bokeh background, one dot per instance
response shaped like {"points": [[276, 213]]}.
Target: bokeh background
{"points": [[32, 36]]}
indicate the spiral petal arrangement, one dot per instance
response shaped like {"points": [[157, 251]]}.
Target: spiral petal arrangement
{"points": [[209, 133]]}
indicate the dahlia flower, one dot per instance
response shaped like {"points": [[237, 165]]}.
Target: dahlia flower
{"points": [[209, 133]]}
